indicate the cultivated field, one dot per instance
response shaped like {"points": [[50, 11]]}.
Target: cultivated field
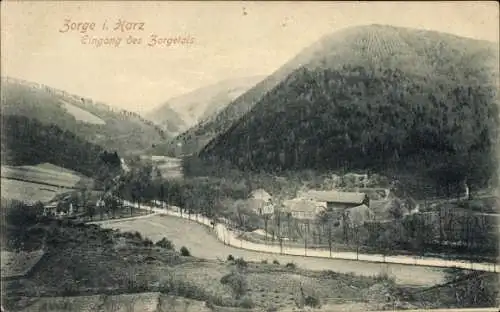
{"points": [[28, 191], [39, 183], [203, 244], [169, 167], [46, 174]]}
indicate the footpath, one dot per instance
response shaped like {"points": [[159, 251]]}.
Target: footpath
{"points": [[230, 237]]}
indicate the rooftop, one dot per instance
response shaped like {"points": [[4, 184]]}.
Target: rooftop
{"points": [[337, 197], [360, 214], [301, 204]]}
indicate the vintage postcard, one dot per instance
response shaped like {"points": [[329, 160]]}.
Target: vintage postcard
{"points": [[249, 156]]}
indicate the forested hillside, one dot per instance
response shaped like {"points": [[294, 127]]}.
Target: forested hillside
{"points": [[98, 123], [426, 53], [196, 108], [28, 142], [378, 98]]}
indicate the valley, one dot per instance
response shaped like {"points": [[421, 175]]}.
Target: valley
{"points": [[360, 175]]}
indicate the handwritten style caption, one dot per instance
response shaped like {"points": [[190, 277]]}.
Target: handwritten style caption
{"points": [[121, 32]]}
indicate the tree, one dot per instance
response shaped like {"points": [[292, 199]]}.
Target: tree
{"points": [[396, 209], [470, 289]]}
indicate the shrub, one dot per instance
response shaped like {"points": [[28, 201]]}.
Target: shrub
{"points": [[237, 282], [264, 262], [165, 243], [230, 258], [384, 276], [276, 262], [247, 303], [147, 242], [241, 263], [291, 265], [138, 235], [185, 252], [312, 301]]}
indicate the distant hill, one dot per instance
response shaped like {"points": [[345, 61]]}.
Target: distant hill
{"points": [[372, 97], [26, 141], [200, 106], [123, 131]]}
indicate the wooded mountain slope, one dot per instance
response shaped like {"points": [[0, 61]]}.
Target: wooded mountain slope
{"points": [[187, 110], [377, 98], [123, 131], [26, 141]]}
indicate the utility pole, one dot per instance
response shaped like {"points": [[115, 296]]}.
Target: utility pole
{"points": [[330, 234]]}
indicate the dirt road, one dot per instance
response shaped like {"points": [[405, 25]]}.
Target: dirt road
{"points": [[203, 244]]}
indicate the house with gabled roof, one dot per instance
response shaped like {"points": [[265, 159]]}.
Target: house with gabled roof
{"points": [[335, 200], [261, 202], [302, 208]]}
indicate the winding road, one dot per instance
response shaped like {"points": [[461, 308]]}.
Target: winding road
{"points": [[202, 243]]}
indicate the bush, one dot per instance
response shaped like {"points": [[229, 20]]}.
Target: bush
{"points": [[165, 243], [148, 242], [247, 303], [291, 265], [185, 252], [237, 282], [264, 262], [312, 301], [241, 263], [276, 262], [138, 235], [230, 258]]}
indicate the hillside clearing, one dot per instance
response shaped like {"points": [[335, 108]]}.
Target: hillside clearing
{"points": [[46, 174], [28, 191], [82, 115]]}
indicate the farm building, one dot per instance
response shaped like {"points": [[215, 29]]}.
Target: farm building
{"points": [[261, 194], [359, 215], [261, 202], [335, 200], [260, 206], [374, 193], [302, 208]]}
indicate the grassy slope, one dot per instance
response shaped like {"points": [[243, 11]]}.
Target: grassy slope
{"points": [[122, 131], [86, 260]]}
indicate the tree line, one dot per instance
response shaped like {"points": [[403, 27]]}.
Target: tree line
{"points": [[28, 141]]}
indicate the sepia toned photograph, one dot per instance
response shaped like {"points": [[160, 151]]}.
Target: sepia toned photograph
{"points": [[238, 156]]}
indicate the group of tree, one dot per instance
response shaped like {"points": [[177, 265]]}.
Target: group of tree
{"points": [[28, 141]]}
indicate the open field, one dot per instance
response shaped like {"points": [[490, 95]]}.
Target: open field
{"points": [[169, 167], [202, 243], [46, 174], [29, 191]]}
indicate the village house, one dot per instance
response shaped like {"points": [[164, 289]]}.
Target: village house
{"points": [[374, 193], [261, 202], [304, 209], [308, 205], [358, 215], [335, 200]]}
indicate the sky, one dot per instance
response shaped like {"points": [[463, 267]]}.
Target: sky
{"points": [[220, 40]]}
